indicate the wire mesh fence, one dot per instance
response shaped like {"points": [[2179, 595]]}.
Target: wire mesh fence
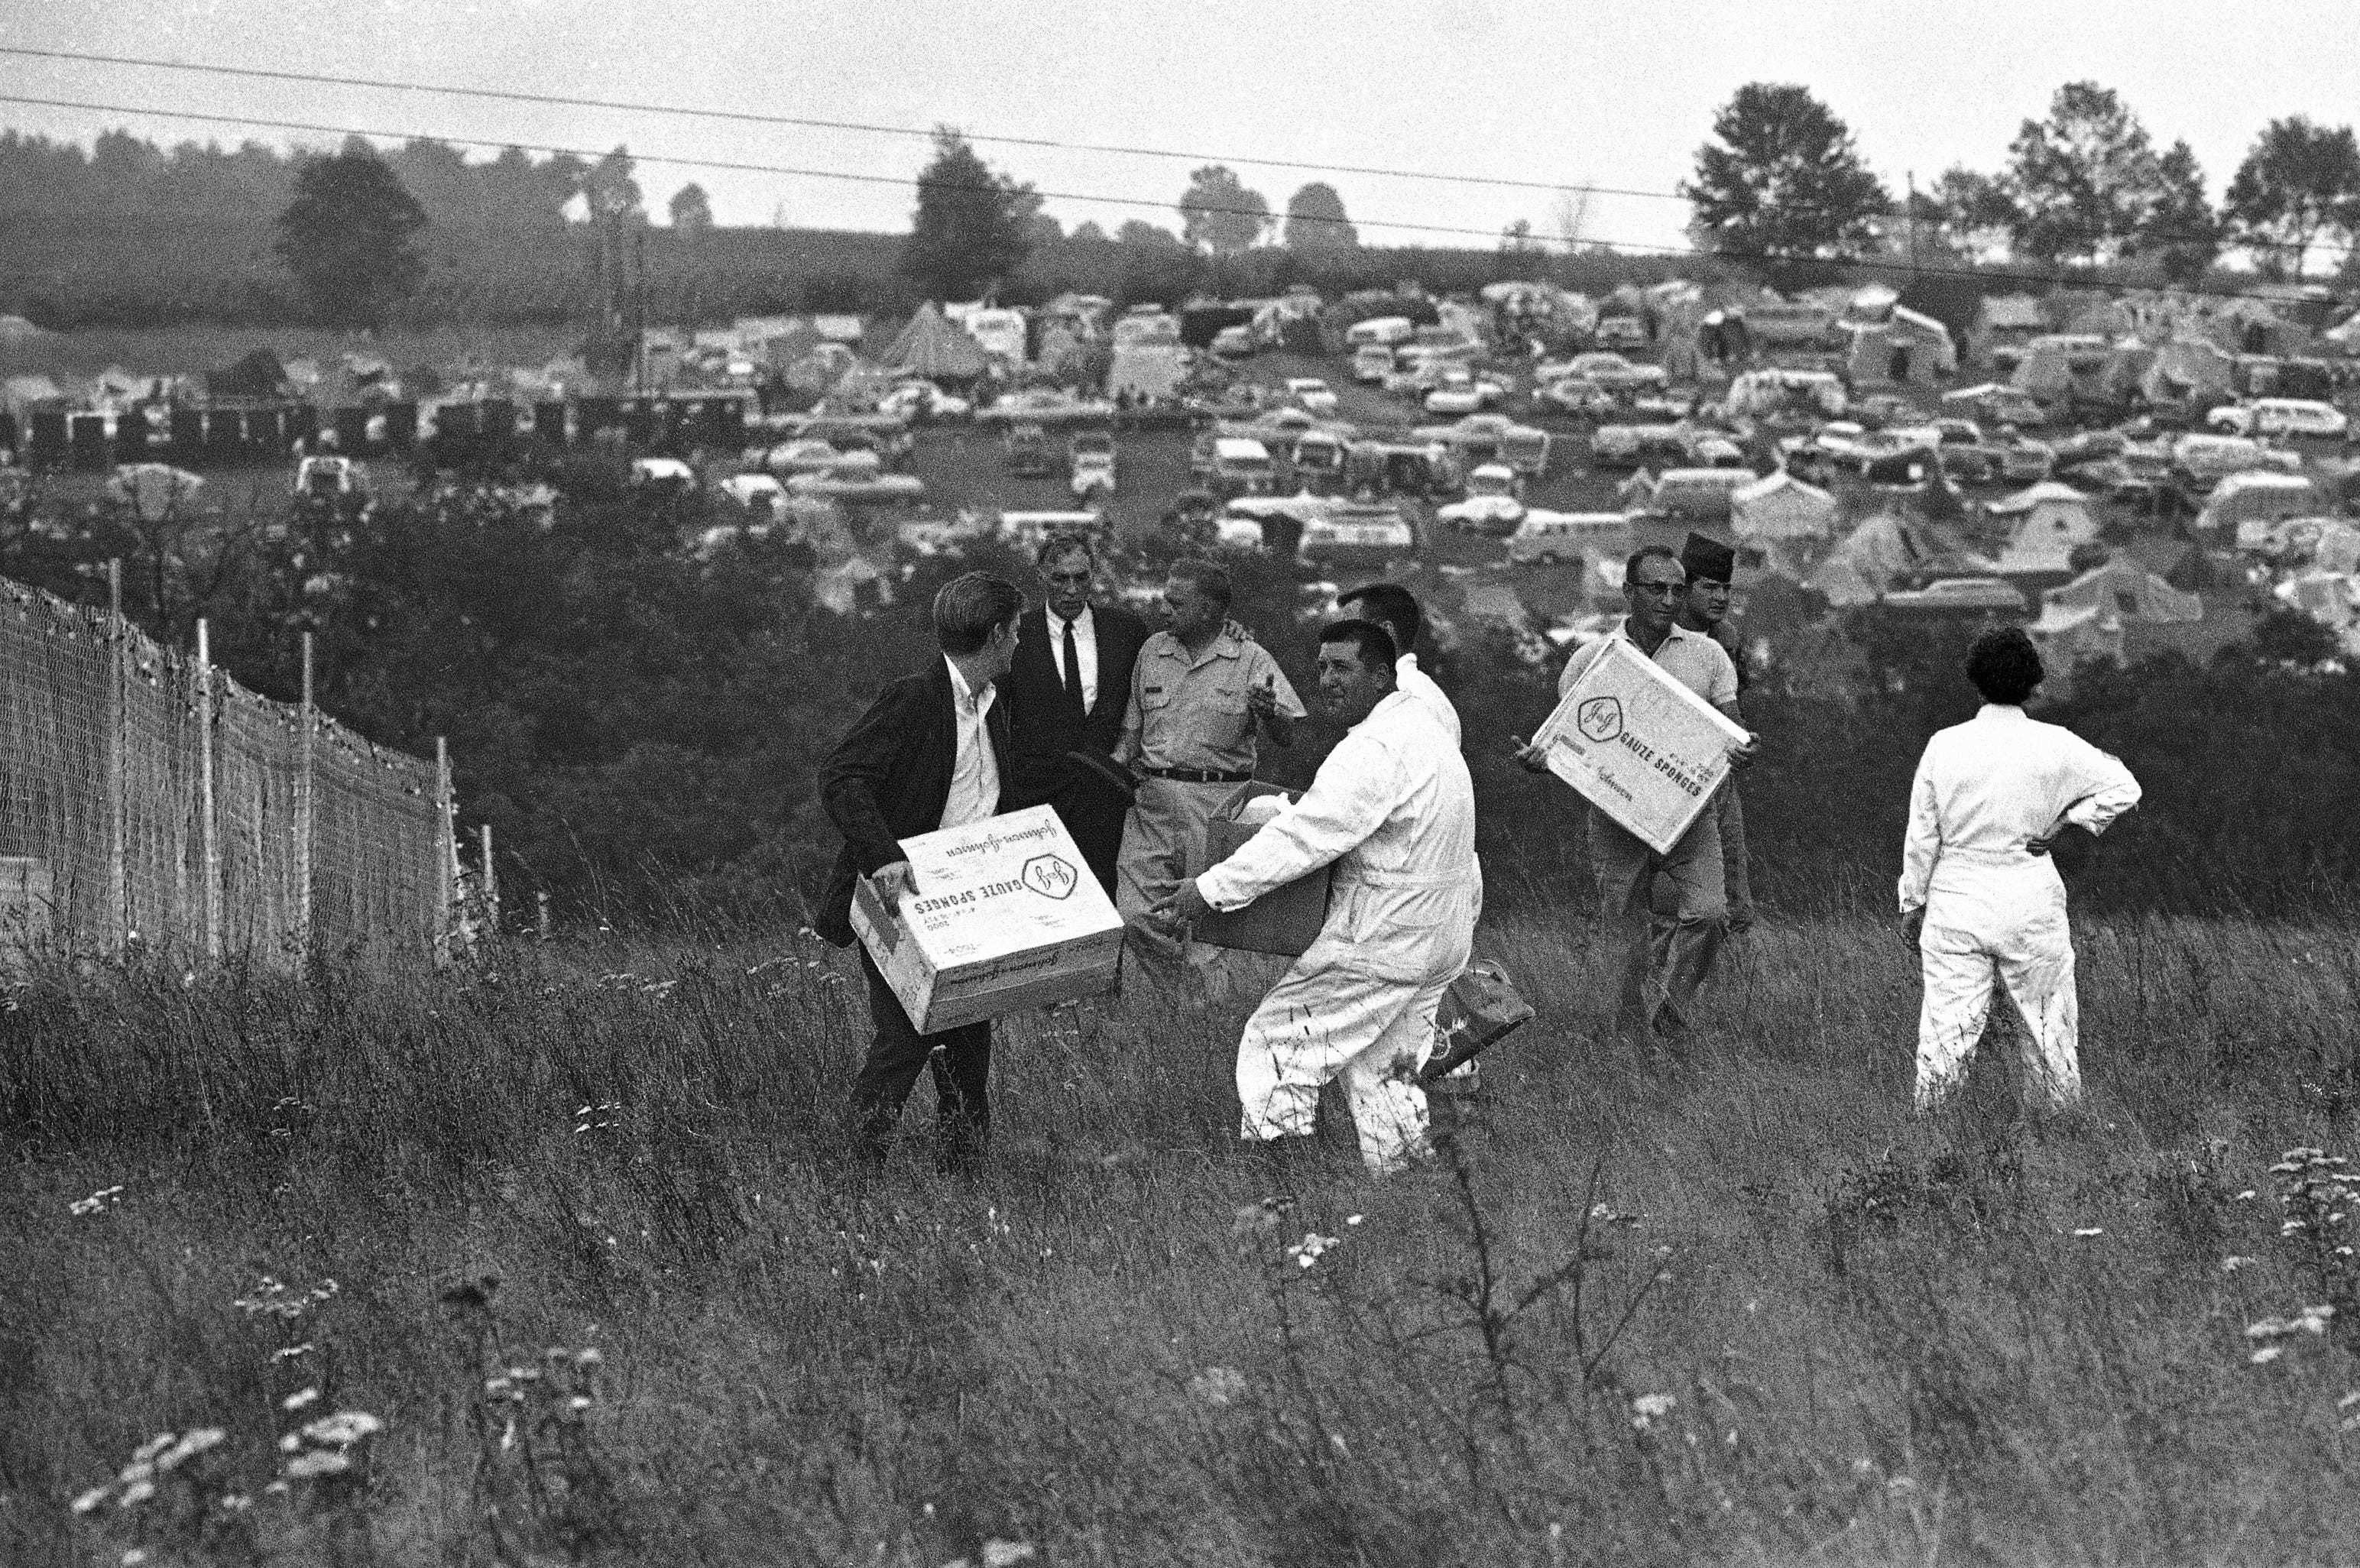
{"points": [[150, 802]]}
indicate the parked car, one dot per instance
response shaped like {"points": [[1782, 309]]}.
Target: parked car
{"points": [[1090, 457], [923, 400], [2279, 417], [1234, 343], [1312, 393], [1579, 396], [1371, 362], [1620, 331], [1028, 451], [1985, 594], [1494, 502], [1551, 538]]}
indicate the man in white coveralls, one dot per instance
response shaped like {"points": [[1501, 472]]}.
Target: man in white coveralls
{"points": [[1393, 810], [1977, 889]]}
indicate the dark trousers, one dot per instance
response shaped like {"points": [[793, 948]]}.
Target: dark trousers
{"points": [[960, 1060], [1092, 811]]}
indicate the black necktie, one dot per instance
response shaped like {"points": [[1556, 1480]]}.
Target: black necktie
{"points": [[1073, 672]]}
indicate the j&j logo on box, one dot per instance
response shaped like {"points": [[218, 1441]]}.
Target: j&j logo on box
{"points": [[1049, 875], [1599, 719]]}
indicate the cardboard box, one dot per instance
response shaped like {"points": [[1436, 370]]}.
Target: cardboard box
{"points": [[1284, 920], [1639, 746], [1006, 918]]}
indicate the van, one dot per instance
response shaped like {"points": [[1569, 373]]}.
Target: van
{"points": [[1385, 330], [1242, 466], [1547, 538], [1371, 362], [1357, 536]]}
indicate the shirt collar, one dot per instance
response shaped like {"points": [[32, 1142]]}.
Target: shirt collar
{"points": [[2004, 713], [1081, 622], [965, 695], [1405, 665], [1624, 631]]}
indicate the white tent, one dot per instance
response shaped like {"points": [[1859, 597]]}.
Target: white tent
{"points": [[1781, 507], [2125, 590], [2068, 634], [2050, 521], [1876, 554]]}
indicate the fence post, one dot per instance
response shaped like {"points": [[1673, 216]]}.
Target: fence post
{"points": [[540, 915], [117, 911], [488, 879], [306, 823], [208, 823], [446, 847]]}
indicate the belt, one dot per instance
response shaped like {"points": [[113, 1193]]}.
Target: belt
{"points": [[1199, 776]]}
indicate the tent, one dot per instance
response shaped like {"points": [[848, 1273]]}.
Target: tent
{"points": [[2338, 549], [1881, 551], [1781, 507], [2188, 370], [1903, 348], [2003, 324], [152, 490], [2325, 596], [2050, 520], [932, 347], [2124, 591], [2067, 635], [2063, 365], [18, 330]]}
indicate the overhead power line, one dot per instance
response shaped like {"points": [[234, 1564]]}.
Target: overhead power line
{"points": [[870, 128], [1630, 247], [806, 122]]}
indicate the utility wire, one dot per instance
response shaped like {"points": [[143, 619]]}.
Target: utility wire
{"points": [[806, 122], [812, 123], [1630, 247]]}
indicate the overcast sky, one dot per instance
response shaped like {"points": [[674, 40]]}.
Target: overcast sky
{"points": [[1558, 91]]}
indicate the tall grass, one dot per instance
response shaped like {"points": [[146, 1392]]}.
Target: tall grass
{"points": [[1849, 1338]]}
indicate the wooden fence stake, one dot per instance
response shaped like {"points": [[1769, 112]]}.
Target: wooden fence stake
{"points": [[208, 825], [446, 848], [119, 662], [306, 825]]}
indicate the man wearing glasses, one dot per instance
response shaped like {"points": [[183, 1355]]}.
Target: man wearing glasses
{"points": [[1659, 984], [1066, 695]]}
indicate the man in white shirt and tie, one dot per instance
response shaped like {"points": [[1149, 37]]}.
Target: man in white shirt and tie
{"points": [[1979, 892], [1065, 695]]}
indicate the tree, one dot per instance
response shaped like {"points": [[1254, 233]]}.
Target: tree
{"points": [[612, 193], [1970, 212], [1782, 179], [1220, 213], [2299, 185], [2086, 182], [1315, 221], [971, 226], [346, 237], [1136, 233], [691, 209], [1087, 232], [2181, 232]]}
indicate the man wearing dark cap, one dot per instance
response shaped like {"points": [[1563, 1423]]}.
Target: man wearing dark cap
{"points": [[1712, 567]]}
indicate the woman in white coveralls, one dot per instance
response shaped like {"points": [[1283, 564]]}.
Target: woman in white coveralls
{"points": [[1393, 810], [1979, 892]]}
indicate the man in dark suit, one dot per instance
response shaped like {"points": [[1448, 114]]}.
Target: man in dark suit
{"points": [[1065, 696], [930, 753]]}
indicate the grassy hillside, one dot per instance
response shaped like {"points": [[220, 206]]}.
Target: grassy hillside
{"points": [[1800, 1329]]}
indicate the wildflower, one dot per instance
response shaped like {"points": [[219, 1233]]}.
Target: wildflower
{"points": [[152, 1447], [95, 1202], [192, 1444], [2246, 1196], [135, 1493], [344, 1429], [1648, 1408], [297, 1399], [292, 1351], [290, 1443], [90, 1499], [1352, 1219], [316, 1463], [577, 1404], [1308, 1251], [236, 1502], [2090, 1231], [135, 1557], [2267, 1354], [589, 1356], [2231, 1265], [1006, 1553], [1218, 1386]]}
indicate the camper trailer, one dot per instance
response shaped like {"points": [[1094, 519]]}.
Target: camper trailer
{"points": [[1357, 536], [1551, 538]]}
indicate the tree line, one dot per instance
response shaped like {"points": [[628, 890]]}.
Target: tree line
{"points": [[1782, 179]]}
